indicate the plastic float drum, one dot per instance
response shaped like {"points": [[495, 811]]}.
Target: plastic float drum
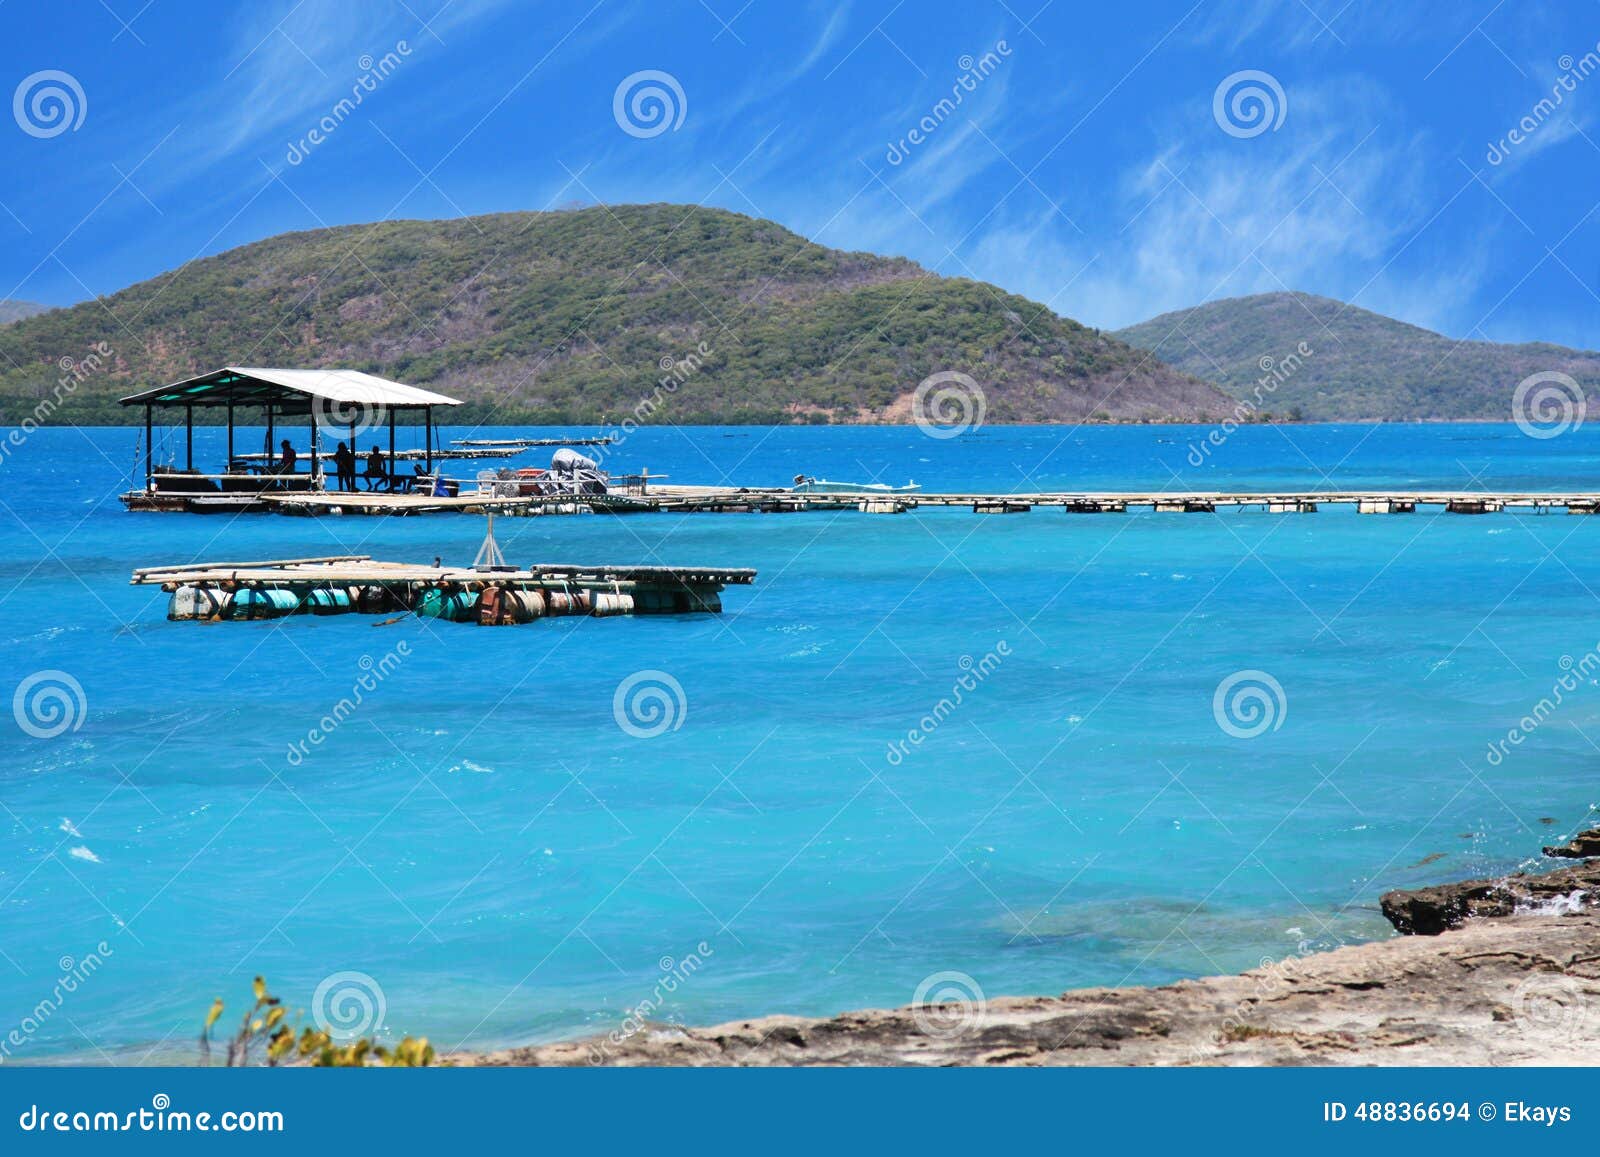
{"points": [[328, 601], [254, 603], [607, 603], [495, 608], [704, 599], [192, 602], [452, 606], [526, 605], [373, 600], [656, 601]]}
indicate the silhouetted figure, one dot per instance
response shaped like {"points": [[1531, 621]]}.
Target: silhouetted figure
{"points": [[287, 460], [377, 470], [344, 466]]}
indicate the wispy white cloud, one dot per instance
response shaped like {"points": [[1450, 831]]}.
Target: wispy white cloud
{"points": [[289, 64], [1320, 207]]}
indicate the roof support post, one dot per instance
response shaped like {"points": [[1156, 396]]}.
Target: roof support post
{"points": [[228, 469], [149, 451], [188, 422], [316, 457], [427, 417]]}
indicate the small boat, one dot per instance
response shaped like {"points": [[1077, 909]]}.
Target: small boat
{"points": [[805, 485]]}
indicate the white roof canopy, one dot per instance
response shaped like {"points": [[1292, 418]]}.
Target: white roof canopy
{"points": [[289, 390]]}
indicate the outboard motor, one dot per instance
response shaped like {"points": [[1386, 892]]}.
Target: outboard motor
{"points": [[569, 463], [576, 473]]}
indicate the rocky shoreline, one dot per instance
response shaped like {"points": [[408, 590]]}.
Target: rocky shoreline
{"points": [[1489, 972]]}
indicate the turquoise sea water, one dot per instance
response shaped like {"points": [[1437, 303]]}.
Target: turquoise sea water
{"points": [[485, 841]]}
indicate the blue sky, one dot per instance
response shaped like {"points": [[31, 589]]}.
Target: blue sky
{"points": [[1089, 167]]}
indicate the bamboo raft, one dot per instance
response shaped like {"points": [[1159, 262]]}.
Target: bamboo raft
{"points": [[489, 595]]}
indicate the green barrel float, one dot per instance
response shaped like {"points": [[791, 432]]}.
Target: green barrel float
{"points": [[452, 606], [259, 603]]}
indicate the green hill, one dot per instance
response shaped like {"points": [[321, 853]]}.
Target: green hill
{"points": [[17, 310], [1362, 365], [571, 316]]}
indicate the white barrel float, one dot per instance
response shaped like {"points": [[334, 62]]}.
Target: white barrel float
{"points": [[526, 605], [196, 602], [606, 603]]}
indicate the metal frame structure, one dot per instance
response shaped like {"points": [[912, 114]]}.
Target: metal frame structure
{"points": [[332, 398]]}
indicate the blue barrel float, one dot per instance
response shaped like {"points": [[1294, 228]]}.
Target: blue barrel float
{"points": [[328, 601]]}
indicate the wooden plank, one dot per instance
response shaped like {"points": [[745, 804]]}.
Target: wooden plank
{"points": [[272, 562]]}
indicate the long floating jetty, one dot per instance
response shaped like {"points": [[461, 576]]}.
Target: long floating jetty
{"points": [[529, 443], [486, 595], [732, 500]]}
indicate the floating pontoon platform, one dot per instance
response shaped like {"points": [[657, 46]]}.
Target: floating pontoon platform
{"points": [[489, 595]]}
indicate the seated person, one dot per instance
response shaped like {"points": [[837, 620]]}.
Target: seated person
{"points": [[407, 483], [377, 471]]}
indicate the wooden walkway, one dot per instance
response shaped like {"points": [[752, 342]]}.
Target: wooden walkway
{"points": [[362, 570], [732, 500]]}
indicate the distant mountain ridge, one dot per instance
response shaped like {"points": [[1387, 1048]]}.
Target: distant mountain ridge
{"points": [[17, 310], [1362, 366], [577, 317]]}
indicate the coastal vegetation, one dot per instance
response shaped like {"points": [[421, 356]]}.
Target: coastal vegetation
{"points": [[577, 316], [265, 1028], [17, 310], [1362, 366]]}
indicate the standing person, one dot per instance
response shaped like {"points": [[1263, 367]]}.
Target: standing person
{"points": [[344, 466], [287, 460]]}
